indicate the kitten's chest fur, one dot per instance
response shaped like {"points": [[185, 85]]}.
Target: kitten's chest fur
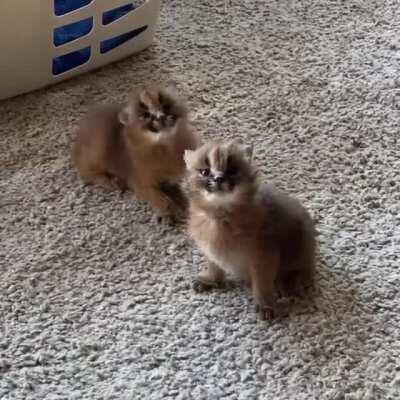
{"points": [[160, 160], [157, 161], [225, 243]]}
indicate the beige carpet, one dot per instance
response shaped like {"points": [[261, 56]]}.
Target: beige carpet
{"points": [[95, 297]]}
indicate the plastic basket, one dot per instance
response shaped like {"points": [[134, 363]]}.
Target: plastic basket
{"points": [[46, 41]]}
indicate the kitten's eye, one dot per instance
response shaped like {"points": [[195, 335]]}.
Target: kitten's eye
{"points": [[146, 114], [167, 108], [232, 170], [205, 172]]}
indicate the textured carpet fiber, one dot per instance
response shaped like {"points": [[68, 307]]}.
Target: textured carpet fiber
{"points": [[95, 297]]}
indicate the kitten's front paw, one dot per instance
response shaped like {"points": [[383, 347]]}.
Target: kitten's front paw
{"points": [[119, 184], [163, 218], [168, 221], [265, 313], [202, 285], [170, 216], [180, 217]]}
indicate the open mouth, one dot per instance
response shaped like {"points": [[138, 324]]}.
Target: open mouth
{"points": [[158, 127], [219, 187], [212, 189], [153, 128]]}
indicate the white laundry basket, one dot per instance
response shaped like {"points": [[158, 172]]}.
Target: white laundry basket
{"points": [[46, 41]]}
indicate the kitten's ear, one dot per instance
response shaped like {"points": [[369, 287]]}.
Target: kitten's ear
{"points": [[170, 88], [125, 116], [144, 95], [243, 148], [188, 156], [247, 149]]}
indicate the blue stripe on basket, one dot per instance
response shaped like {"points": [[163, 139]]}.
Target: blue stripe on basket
{"points": [[62, 7], [68, 33], [110, 44], [116, 13], [72, 60]]}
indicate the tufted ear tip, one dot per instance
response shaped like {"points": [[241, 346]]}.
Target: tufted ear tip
{"points": [[248, 151], [245, 148]]}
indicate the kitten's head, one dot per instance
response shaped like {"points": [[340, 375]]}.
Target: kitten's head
{"points": [[155, 110], [220, 172]]}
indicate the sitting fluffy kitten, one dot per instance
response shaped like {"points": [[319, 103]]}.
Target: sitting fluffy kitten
{"points": [[246, 227], [138, 146]]}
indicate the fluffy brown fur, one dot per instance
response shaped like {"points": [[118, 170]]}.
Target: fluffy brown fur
{"points": [[246, 227], [139, 147]]}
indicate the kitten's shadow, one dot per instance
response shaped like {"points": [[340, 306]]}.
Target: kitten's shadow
{"points": [[318, 295], [330, 318], [324, 322]]}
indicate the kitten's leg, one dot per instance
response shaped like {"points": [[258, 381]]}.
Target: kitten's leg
{"points": [[263, 286], [173, 191], [97, 177], [297, 277], [163, 206], [209, 277], [119, 184]]}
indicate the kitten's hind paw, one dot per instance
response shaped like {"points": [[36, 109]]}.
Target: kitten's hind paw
{"points": [[117, 183], [201, 285], [265, 313]]}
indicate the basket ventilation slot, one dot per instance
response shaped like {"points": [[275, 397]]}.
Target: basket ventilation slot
{"points": [[62, 7], [110, 44], [68, 33], [70, 61], [116, 13]]}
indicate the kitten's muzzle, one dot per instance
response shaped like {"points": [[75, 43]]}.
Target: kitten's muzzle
{"points": [[217, 183], [158, 123]]}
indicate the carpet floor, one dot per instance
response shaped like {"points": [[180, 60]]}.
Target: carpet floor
{"points": [[95, 297]]}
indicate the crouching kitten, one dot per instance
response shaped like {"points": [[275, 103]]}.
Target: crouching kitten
{"points": [[138, 146], [246, 227]]}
